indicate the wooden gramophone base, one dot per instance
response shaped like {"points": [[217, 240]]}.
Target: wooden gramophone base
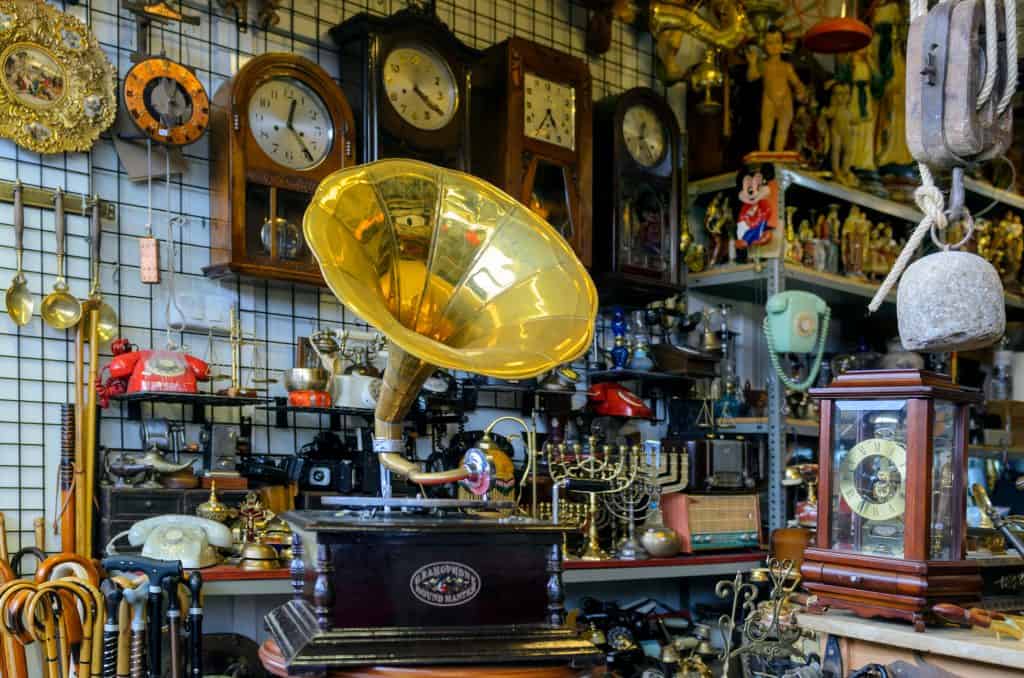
{"points": [[273, 662]]}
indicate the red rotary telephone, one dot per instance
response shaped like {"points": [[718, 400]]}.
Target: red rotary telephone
{"points": [[135, 371]]}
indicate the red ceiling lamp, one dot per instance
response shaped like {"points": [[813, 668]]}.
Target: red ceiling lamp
{"points": [[839, 34]]}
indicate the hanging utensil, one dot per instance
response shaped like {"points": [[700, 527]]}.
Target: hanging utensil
{"points": [[107, 327], [20, 303], [149, 246], [60, 309]]}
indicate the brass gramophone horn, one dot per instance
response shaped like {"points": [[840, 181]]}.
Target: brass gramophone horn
{"points": [[457, 274]]}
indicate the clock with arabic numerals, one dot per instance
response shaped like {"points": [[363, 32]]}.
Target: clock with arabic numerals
{"points": [[638, 198], [278, 128], [409, 78], [891, 537], [533, 105]]}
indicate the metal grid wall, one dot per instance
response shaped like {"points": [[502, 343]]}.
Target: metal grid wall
{"points": [[36, 368]]}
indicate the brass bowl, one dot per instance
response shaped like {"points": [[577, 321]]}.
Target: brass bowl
{"points": [[305, 379]]}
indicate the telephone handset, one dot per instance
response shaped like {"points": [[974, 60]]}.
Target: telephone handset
{"points": [[796, 322], [190, 539]]}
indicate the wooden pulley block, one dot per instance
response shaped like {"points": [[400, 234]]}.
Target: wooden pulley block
{"points": [[946, 66]]}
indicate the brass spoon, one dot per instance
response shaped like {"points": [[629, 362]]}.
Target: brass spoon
{"points": [[106, 328], [60, 309], [20, 303]]}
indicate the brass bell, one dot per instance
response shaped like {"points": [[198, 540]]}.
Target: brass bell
{"points": [[258, 557], [213, 508]]}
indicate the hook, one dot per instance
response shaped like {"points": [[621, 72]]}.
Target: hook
{"points": [[956, 195]]}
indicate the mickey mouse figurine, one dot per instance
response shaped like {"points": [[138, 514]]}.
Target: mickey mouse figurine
{"points": [[755, 222]]}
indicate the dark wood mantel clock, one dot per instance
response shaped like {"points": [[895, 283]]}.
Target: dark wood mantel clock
{"points": [[637, 194], [278, 127], [891, 520], [408, 76], [533, 106]]}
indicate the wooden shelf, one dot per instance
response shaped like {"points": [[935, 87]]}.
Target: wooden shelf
{"points": [[759, 425], [701, 565]]}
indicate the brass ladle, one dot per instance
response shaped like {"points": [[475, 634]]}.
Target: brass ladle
{"points": [[106, 327], [20, 303], [60, 309]]}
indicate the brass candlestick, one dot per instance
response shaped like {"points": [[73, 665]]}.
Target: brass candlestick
{"points": [[599, 471]]}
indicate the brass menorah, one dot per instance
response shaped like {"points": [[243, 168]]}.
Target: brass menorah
{"points": [[597, 470]]}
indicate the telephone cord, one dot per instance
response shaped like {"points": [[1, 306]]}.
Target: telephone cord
{"points": [[812, 373]]}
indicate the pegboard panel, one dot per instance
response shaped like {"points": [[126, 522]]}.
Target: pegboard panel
{"points": [[36, 362]]}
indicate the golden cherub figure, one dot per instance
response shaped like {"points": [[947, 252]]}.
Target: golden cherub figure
{"points": [[781, 85]]}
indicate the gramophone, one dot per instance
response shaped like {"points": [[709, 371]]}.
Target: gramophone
{"points": [[457, 275]]}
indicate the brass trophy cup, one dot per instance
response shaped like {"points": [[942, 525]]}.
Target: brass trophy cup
{"points": [[457, 275]]}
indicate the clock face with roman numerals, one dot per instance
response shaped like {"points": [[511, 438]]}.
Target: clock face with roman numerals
{"points": [[291, 123], [549, 111], [872, 479]]}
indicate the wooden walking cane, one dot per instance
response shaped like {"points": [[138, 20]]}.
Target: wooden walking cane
{"points": [[66, 514]]}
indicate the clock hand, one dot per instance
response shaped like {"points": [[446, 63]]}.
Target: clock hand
{"points": [[291, 115], [543, 120], [430, 104], [302, 143]]}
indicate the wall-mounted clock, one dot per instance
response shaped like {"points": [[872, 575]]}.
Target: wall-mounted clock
{"points": [[166, 101], [533, 105], [277, 129], [409, 77], [638, 194]]}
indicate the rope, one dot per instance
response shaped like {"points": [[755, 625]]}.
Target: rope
{"points": [[991, 53], [931, 203], [1011, 55], [812, 374]]}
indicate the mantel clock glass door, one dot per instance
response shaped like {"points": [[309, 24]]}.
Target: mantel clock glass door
{"points": [[533, 104], [280, 126], [410, 77], [638, 197], [891, 532]]}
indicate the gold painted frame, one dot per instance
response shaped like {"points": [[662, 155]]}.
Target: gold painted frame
{"points": [[63, 100]]}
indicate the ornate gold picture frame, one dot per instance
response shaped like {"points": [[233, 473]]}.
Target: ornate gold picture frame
{"points": [[58, 91]]}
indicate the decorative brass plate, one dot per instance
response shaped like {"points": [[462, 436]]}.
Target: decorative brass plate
{"points": [[57, 88], [166, 101]]}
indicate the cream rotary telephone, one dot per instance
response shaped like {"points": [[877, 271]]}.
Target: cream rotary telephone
{"points": [[192, 540]]}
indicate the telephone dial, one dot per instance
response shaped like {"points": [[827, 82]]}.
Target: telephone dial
{"points": [[191, 539], [796, 322]]}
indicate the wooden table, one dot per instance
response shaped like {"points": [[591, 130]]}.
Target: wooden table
{"points": [[961, 652]]}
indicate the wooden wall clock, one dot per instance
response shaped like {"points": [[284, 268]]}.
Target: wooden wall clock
{"points": [[891, 538], [533, 105], [638, 193], [277, 129], [409, 76]]}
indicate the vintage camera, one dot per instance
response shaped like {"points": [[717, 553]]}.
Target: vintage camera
{"points": [[333, 475]]}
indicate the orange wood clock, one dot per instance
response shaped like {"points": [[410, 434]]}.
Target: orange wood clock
{"points": [[166, 101]]}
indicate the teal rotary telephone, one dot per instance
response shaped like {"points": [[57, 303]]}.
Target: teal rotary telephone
{"points": [[796, 322]]}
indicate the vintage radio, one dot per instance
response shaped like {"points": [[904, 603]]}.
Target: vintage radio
{"points": [[720, 464], [713, 522]]}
